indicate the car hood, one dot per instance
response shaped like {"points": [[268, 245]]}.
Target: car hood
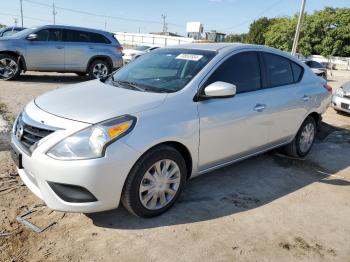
{"points": [[94, 101], [346, 87]]}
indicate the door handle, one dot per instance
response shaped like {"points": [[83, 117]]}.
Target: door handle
{"points": [[306, 98], [91, 47], [59, 47], [259, 107]]}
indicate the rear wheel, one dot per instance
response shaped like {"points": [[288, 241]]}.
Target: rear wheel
{"points": [[10, 68], [155, 182], [99, 69], [303, 141]]}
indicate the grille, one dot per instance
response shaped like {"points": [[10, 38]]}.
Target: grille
{"points": [[29, 135]]}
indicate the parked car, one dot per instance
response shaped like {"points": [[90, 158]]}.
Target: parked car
{"points": [[55, 48], [132, 54], [170, 115], [317, 68], [8, 31], [341, 98]]}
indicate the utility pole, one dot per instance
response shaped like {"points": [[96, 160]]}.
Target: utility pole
{"points": [[165, 26], [297, 32], [105, 26], [21, 2], [54, 12]]}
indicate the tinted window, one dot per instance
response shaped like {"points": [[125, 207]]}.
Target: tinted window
{"points": [[278, 69], [242, 70], [315, 64], [297, 71], [77, 36], [97, 38], [49, 35]]}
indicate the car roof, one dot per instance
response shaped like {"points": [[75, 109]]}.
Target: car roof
{"points": [[75, 28], [220, 47]]}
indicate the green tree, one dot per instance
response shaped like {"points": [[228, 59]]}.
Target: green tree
{"points": [[257, 30], [236, 38]]}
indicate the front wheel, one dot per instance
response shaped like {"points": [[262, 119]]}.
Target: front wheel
{"points": [[303, 141], [99, 69], [155, 182], [10, 68]]}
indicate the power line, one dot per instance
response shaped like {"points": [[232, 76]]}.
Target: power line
{"points": [[99, 15], [257, 15], [27, 17]]}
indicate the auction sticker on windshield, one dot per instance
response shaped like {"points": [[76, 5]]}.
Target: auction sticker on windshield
{"points": [[191, 57]]}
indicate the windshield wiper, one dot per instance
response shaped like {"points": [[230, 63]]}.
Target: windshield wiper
{"points": [[129, 84]]}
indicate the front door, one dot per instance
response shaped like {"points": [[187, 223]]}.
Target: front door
{"points": [[46, 52], [231, 128]]}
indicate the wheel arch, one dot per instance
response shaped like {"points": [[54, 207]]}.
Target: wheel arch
{"points": [[18, 56], [99, 57], [181, 148]]}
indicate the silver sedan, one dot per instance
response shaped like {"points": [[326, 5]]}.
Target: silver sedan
{"points": [[138, 135]]}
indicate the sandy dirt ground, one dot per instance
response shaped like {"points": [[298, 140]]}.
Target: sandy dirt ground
{"points": [[268, 208]]}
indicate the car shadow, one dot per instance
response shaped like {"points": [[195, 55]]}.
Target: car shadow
{"points": [[237, 188], [50, 78]]}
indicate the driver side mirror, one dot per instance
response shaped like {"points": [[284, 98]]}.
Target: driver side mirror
{"points": [[217, 90], [32, 37]]}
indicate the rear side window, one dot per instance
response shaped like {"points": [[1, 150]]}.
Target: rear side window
{"points": [[297, 71], [97, 38], [242, 70], [77, 36], [279, 70]]}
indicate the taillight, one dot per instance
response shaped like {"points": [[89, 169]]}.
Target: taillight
{"points": [[120, 49], [328, 88]]}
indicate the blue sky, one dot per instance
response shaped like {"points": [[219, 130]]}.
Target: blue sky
{"points": [[223, 15]]}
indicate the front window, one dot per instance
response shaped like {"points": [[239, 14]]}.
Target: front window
{"points": [[164, 70]]}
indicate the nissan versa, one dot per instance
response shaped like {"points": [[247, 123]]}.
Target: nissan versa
{"points": [[137, 136]]}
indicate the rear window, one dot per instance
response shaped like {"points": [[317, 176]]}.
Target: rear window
{"points": [[279, 70], [98, 38]]}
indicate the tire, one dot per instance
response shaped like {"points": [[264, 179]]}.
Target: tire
{"points": [[296, 148], [135, 201], [10, 68], [99, 69]]}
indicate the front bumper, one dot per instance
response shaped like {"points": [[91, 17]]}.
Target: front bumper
{"points": [[341, 103], [102, 177]]}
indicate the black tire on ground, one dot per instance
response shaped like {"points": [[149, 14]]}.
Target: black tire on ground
{"points": [[96, 62], [81, 74], [13, 59], [130, 195], [294, 149]]}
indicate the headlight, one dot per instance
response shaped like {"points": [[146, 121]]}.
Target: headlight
{"points": [[339, 92], [92, 141]]}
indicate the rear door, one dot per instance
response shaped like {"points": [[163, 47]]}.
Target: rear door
{"points": [[46, 53], [289, 100], [231, 128], [78, 49]]}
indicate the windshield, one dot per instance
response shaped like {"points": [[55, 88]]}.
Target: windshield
{"points": [[22, 33], [164, 70]]}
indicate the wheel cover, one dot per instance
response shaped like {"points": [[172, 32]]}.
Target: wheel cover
{"points": [[306, 137], [159, 184], [8, 68], [100, 70]]}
